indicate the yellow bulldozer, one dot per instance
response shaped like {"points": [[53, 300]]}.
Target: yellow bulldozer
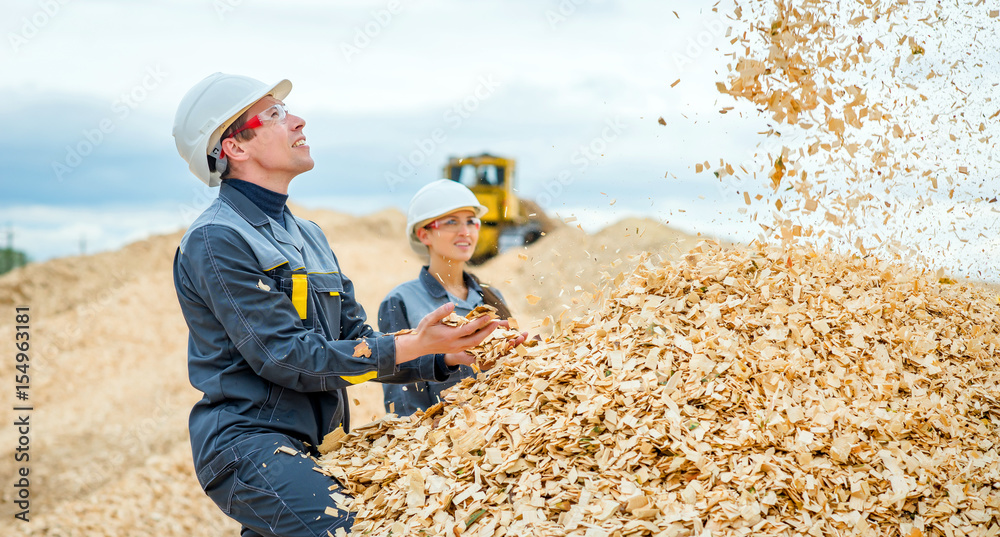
{"points": [[511, 220]]}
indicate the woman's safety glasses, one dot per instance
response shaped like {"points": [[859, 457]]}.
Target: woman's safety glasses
{"points": [[452, 224]]}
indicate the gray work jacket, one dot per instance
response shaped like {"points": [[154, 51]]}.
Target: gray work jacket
{"points": [[273, 329], [404, 307]]}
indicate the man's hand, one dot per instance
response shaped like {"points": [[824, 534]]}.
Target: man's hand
{"points": [[432, 337]]}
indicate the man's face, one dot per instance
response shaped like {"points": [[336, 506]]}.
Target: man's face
{"points": [[279, 148]]}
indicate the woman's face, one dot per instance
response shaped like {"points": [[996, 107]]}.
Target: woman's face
{"points": [[452, 236]]}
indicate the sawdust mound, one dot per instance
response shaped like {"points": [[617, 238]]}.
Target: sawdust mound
{"points": [[69, 283], [110, 453], [568, 258], [763, 392]]}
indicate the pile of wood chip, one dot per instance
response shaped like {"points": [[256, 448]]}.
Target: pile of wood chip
{"points": [[736, 392]]}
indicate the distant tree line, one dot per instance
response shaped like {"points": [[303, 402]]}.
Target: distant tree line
{"points": [[11, 259]]}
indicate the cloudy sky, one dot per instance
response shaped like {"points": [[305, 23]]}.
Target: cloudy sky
{"points": [[572, 89], [571, 86]]}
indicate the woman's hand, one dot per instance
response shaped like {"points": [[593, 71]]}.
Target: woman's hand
{"points": [[514, 343], [432, 337]]}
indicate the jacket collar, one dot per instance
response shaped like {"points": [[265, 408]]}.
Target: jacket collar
{"points": [[257, 218], [246, 208], [290, 233], [436, 290]]}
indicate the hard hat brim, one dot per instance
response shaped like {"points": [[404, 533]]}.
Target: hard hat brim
{"points": [[478, 210]]}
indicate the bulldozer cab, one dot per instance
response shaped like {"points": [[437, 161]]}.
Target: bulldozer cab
{"points": [[475, 174], [506, 222], [491, 178]]}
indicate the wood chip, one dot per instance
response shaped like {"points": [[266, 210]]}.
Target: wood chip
{"points": [[766, 391], [871, 103], [361, 350], [495, 346], [402, 332]]}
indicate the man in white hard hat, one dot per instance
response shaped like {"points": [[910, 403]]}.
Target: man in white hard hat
{"points": [[276, 334]]}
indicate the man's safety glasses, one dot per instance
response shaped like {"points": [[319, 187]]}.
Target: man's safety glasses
{"points": [[452, 224], [273, 115]]}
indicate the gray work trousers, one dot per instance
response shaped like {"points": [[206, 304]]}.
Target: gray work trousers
{"points": [[274, 494]]}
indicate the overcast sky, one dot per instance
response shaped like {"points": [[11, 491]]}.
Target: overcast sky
{"points": [[570, 88]]}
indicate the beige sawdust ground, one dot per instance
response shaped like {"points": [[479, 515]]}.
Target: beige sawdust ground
{"points": [[109, 445]]}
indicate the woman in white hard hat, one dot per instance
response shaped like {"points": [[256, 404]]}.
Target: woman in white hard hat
{"points": [[442, 223]]}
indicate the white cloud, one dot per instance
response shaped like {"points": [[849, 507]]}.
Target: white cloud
{"points": [[561, 76]]}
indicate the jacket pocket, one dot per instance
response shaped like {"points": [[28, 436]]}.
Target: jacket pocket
{"points": [[274, 392], [221, 491], [325, 290], [295, 285]]}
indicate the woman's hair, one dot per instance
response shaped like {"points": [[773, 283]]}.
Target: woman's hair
{"points": [[492, 299]]}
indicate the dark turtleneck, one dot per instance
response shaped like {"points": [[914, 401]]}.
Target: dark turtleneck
{"points": [[269, 201]]}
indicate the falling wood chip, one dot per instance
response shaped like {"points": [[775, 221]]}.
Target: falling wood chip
{"points": [[361, 350], [858, 92]]}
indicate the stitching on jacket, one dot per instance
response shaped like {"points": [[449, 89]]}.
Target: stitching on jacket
{"points": [[232, 493], [254, 336], [241, 213], [242, 341], [229, 295], [277, 399]]}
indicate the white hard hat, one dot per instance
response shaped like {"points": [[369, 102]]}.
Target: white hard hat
{"points": [[208, 109], [437, 199]]}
